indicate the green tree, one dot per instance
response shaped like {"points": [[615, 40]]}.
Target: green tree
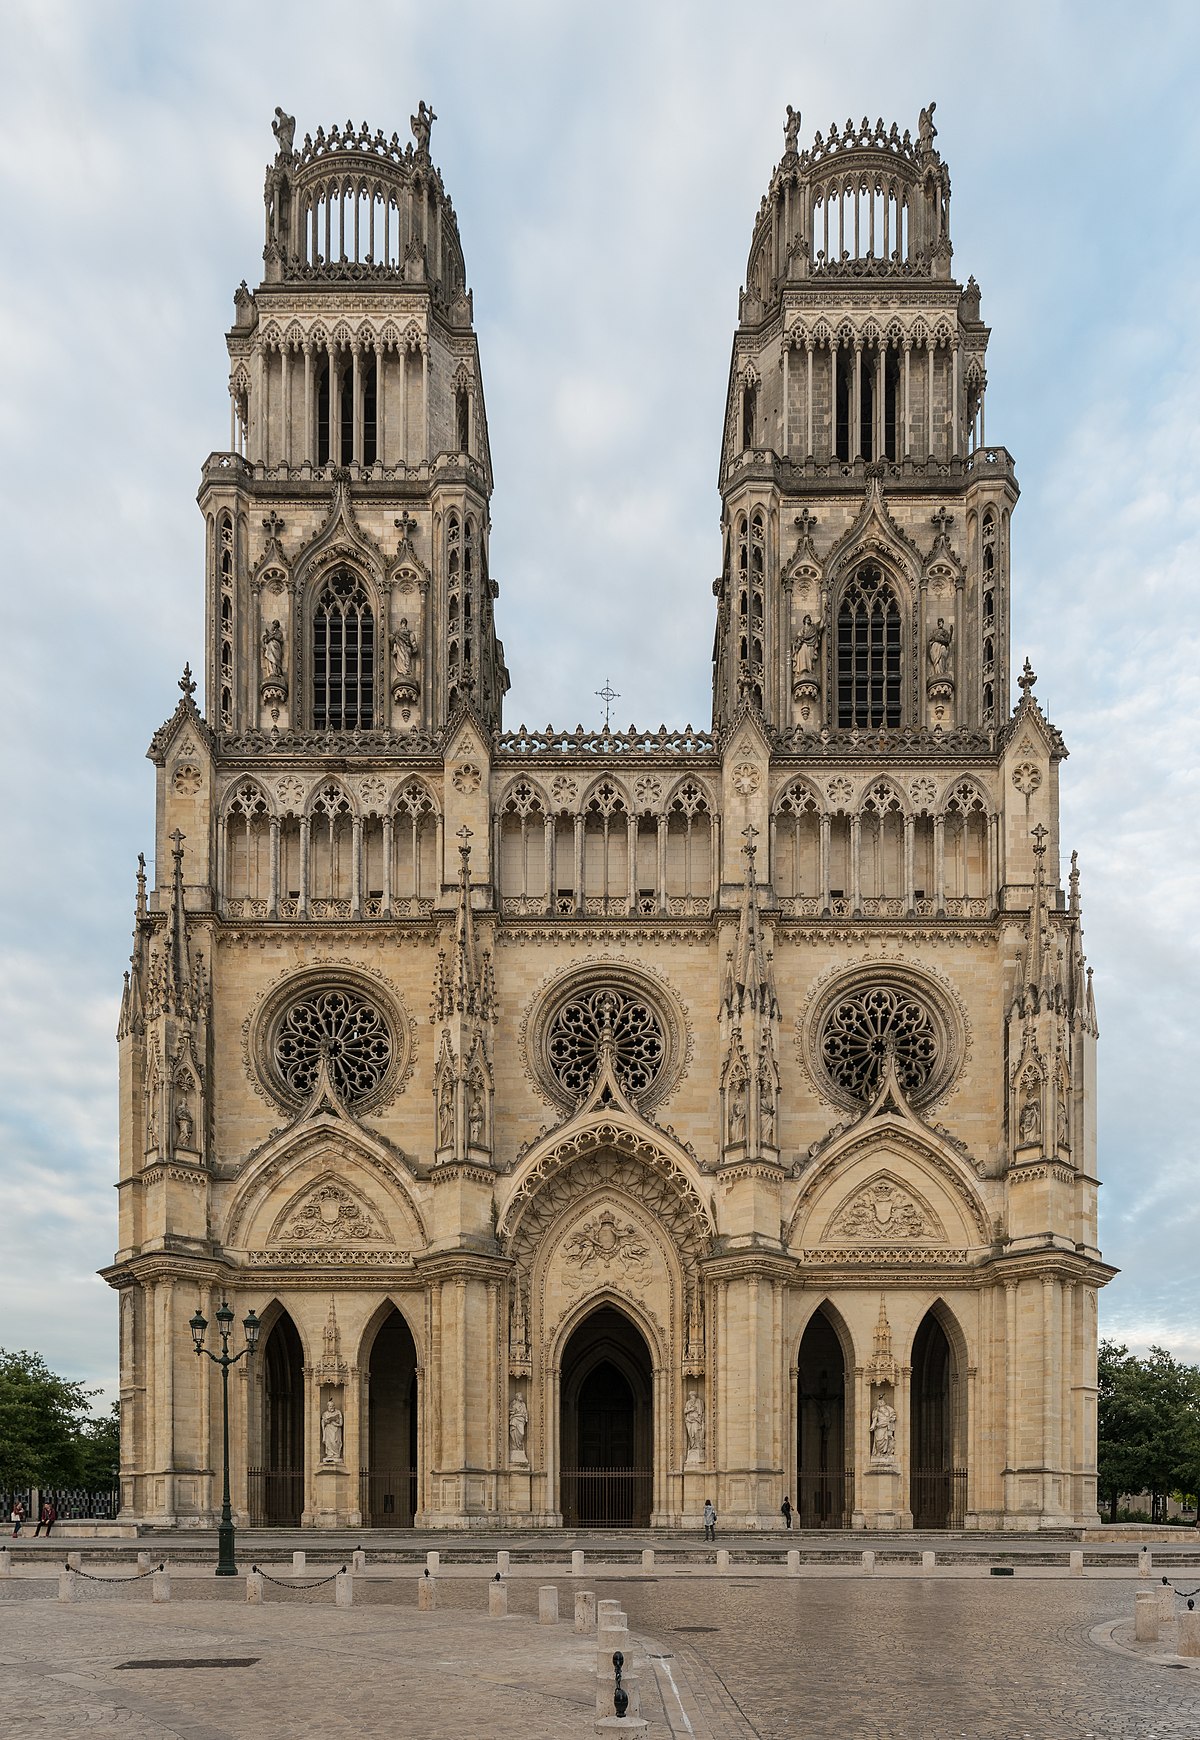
{"points": [[47, 1430], [1148, 1425], [1123, 1424]]}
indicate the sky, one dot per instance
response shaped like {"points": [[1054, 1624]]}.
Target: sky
{"points": [[606, 164]]}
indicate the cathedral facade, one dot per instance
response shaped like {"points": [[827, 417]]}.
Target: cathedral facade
{"points": [[600, 1122]]}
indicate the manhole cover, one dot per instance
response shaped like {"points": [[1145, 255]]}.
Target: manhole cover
{"points": [[208, 1661], [678, 1628]]}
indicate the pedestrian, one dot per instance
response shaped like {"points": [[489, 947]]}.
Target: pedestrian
{"points": [[18, 1517], [46, 1520], [710, 1520], [786, 1508]]}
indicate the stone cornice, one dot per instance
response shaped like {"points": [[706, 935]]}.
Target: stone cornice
{"points": [[464, 1265]]}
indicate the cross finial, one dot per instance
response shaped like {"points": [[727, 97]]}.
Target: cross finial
{"points": [[272, 525], [1039, 839], [1027, 679], [942, 520], [805, 521], [750, 834], [608, 695], [406, 526], [186, 683]]}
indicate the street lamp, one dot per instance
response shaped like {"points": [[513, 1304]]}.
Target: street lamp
{"points": [[251, 1326]]}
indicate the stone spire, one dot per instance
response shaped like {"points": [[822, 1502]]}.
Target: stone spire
{"points": [[750, 1029]]}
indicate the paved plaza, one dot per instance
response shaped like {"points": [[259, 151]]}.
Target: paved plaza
{"points": [[904, 1654]]}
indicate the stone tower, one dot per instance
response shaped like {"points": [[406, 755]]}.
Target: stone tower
{"points": [[601, 1121]]}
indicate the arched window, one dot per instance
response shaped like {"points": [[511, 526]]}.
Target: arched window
{"points": [[988, 545], [225, 562], [370, 397], [323, 413], [343, 657], [868, 653]]}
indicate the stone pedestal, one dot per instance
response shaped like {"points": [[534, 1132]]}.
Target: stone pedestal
{"points": [[343, 1590], [330, 1496], [548, 1604], [1189, 1634], [585, 1612], [426, 1594], [880, 1503], [1145, 1616]]}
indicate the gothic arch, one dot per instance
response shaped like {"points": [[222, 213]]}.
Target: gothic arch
{"points": [[936, 1305], [326, 793], [652, 1332], [272, 1173], [823, 1303], [889, 1143], [882, 793], [414, 786], [413, 1322], [799, 791]]}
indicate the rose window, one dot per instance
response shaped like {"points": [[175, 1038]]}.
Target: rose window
{"points": [[860, 1030], [580, 1027], [345, 1027]]}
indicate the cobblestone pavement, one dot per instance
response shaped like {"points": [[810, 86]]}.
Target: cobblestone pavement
{"points": [[899, 1656]]}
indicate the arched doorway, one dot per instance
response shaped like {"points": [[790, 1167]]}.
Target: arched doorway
{"points": [[824, 1495], [607, 1424], [388, 1496], [937, 1478], [277, 1488]]}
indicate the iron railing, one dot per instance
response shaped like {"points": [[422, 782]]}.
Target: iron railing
{"points": [[938, 1497], [615, 1498], [275, 1497], [387, 1497], [100, 1504], [824, 1500]]}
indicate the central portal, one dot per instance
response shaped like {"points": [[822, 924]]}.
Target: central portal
{"points": [[607, 1425]]}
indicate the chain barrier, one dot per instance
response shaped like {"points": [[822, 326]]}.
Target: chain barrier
{"points": [[1188, 1594], [136, 1578], [286, 1583]]}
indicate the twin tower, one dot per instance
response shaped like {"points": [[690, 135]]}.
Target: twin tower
{"points": [[600, 1122]]}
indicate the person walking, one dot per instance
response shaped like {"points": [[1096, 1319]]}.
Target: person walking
{"points": [[786, 1509], [18, 1517], [710, 1520], [47, 1519]]}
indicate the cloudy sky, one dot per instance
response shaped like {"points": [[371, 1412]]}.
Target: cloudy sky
{"points": [[606, 164]]}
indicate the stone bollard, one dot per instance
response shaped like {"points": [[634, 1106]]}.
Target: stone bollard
{"points": [[611, 1642], [577, 1563], [343, 1590], [868, 1562], [75, 1560], [1166, 1602], [548, 1604], [1189, 1634], [433, 1562], [1077, 1562], [502, 1563], [647, 1558], [144, 1562], [358, 1560], [585, 1612], [606, 1610], [497, 1599], [68, 1586], [160, 1586], [5, 1561], [793, 1561], [722, 1558], [1145, 1616], [928, 1561], [1145, 1562], [297, 1564], [255, 1588], [426, 1594]]}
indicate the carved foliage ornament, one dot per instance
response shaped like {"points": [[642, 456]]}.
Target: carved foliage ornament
{"points": [[329, 1214], [883, 1210]]}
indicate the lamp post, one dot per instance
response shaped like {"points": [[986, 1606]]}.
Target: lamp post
{"points": [[251, 1326]]}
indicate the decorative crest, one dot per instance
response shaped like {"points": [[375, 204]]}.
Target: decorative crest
{"points": [[187, 682]]}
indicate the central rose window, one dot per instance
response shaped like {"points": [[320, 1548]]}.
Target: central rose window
{"points": [[574, 1040], [345, 1027], [859, 1032]]}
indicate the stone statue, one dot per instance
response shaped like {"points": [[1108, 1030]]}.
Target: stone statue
{"points": [[693, 1425], [284, 129], [926, 131], [422, 125], [184, 1127], [445, 1117], [1031, 1120], [806, 651], [766, 1113], [939, 649], [737, 1113], [272, 653], [475, 1115], [404, 656], [332, 1425], [791, 129], [1063, 1123], [518, 1422], [883, 1428]]}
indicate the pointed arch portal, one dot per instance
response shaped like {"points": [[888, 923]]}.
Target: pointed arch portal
{"points": [[277, 1487], [824, 1485], [937, 1461], [389, 1478], [607, 1424]]}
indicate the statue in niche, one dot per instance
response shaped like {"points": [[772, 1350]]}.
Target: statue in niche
{"points": [[518, 1424], [766, 1112], [737, 1112], [184, 1125], [475, 1114], [926, 131], [883, 1429], [284, 129], [446, 1116], [1063, 1123], [939, 650], [332, 1431], [791, 129], [272, 653], [806, 652], [422, 126], [693, 1425], [1030, 1123], [404, 655]]}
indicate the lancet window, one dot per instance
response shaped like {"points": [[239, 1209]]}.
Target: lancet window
{"points": [[796, 868], [881, 847], [607, 831], [967, 871], [689, 846], [868, 653], [343, 657], [347, 408], [331, 854], [748, 627], [225, 571], [526, 850], [413, 849], [248, 854], [988, 613]]}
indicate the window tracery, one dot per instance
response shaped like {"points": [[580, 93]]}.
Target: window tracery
{"points": [[344, 1027], [225, 564], [748, 628], [343, 657], [988, 582], [584, 1024], [868, 653], [869, 1016]]}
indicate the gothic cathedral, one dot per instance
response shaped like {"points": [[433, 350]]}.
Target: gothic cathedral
{"points": [[598, 1122]]}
